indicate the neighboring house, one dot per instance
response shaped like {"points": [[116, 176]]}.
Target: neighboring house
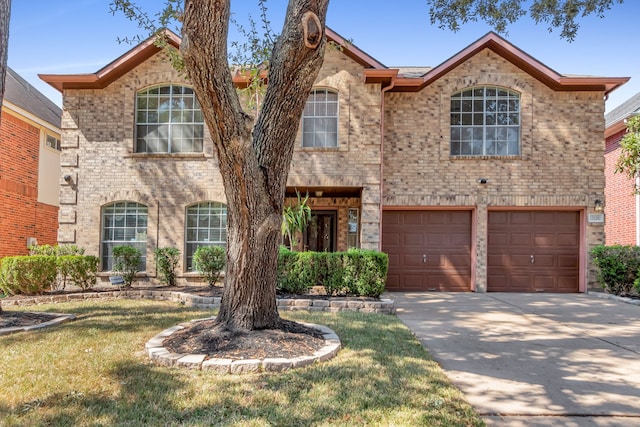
{"points": [[622, 208], [480, 174], [29, 167]]}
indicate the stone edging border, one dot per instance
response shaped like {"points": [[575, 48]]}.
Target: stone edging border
{"points": [[384, 306], [612, 297], [59, 319], [162, 356]]}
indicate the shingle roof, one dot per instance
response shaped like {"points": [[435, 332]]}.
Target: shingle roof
{"points": [[20, 93], [630, 106]]}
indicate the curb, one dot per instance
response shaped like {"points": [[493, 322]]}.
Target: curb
{"points": [[612, 297]]}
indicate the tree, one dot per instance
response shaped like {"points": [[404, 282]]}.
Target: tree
{"points": [[629, 160], [500, 13], [5, 11], [253, 155]]}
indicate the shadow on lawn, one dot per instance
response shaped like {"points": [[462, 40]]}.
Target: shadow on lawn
{"points": [[378, 378]]}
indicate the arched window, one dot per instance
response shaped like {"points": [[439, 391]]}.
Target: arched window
{"points": [[320, 119], [485, 121], [206, 226], [168, 120], [124, 224]]}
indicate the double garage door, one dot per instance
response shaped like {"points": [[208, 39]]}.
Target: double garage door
{"points": [[527, 251]]}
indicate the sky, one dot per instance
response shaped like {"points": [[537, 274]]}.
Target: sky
{"points": [[80, 36]]}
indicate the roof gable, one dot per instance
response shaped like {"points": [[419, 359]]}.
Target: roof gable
{"points": [[145, 50], [510, 53]]}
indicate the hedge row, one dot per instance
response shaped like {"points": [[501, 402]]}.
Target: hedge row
{"points": [[31, 275], [618, 268], [355, 272]]}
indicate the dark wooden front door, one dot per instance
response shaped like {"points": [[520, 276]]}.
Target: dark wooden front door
{"points": [[428, 250], [321, 232], [533, 251]]}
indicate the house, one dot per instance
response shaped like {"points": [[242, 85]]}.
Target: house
{"points": [[29, 167], [479, 174], [622, 209]]}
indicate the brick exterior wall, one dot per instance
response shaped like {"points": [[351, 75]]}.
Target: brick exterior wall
{"points": [[21, 215], [97, 151], [620, 207], [561, 162]]}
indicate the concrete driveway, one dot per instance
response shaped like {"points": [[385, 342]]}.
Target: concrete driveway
{"points": [[534, 359]]}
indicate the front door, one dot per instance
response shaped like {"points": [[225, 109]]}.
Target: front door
{"points": [[321, 232]]}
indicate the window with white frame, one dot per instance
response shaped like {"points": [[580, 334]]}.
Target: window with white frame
{"points": [[206, 225], [320, 120], [168, 120], [485, 121], [52, 142], [124, 224]]}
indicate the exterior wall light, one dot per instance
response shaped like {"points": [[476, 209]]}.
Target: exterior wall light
{"points": [[598, 205]]}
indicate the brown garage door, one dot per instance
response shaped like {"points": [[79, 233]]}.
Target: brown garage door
{"points": [[428, 250], [533, 251]]}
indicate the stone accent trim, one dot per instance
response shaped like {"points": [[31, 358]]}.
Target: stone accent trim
{"points": [[383, 306], [162, 356]]}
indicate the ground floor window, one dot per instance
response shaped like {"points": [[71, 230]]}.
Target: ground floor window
{"points": [[206, 225], [124, 224]]}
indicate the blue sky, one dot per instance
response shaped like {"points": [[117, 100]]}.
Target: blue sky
{"points": [[79, 36]]}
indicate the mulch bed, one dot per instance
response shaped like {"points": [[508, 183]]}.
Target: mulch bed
{"points": [[19, 319], [207, 337]]}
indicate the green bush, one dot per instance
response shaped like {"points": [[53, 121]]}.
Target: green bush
{"points": [[618, 267], [60, 250], [356, 272], [126, 260], [28, 275], [81, 270], [167, 260], [210, 261], [297, 271]]}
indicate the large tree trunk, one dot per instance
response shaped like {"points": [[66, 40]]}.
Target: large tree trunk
{"points": [[254, 159]]}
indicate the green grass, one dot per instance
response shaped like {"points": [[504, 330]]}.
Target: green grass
{"points": [[94, 372]]}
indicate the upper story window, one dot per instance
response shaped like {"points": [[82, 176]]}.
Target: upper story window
{"points": [[123, 224], [320, 119], [52, 142], [485, 121], [168, 120]]}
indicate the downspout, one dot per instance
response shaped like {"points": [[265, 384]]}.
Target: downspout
{"points": [[382, 94]]}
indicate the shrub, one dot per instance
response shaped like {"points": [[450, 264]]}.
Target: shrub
{"points": [[365, 272], [60, 250], [356, 272], [618, 267], [126, 262], [210, 261], [167, 262], [27, 274], [297, 271], [332, 273], [82, 270]]}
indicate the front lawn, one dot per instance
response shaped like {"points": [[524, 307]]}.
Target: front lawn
{"points": [[94, 372]]}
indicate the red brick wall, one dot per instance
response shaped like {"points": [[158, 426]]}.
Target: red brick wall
{"points": [[21, 215], [620, 207]]}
